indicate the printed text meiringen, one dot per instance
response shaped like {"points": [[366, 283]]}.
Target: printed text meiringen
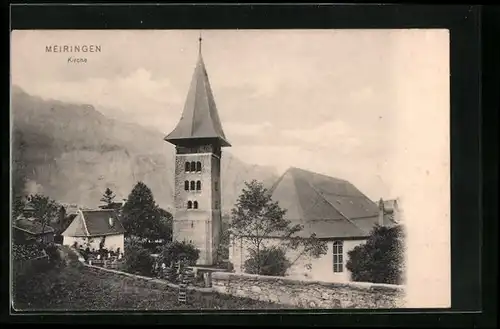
{"points": [[73, 48]]}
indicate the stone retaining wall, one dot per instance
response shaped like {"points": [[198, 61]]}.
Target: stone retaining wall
{"points": [[309, 294]]}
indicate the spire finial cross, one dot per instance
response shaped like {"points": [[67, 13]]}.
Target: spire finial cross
{"points": [[199, 45]]}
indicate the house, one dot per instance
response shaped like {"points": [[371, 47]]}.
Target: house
{"points": [[95, 228], [28, 230], [334, 209], [113, 205]]}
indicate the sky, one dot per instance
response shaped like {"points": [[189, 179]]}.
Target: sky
{"points": [[322, 100], [368, 106]]}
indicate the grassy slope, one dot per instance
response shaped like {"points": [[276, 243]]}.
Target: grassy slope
{"points": [[75, 287]]}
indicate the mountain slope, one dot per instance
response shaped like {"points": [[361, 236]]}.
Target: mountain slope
{"points": [[72, 152]]}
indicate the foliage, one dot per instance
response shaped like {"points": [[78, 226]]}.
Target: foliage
{"points": [[108, 197], [381, 258], [175, 251], [52, 251], [273, 262], [258, 218], [141, 215], [46, 210], [26, 251], [18, 171], [138, 259], [224, 242]]}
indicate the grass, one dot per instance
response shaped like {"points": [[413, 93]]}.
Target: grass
{"points": [[73, 286]]}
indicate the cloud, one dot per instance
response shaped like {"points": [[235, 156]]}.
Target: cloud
{"points": [[241, 129], [335, 134]]}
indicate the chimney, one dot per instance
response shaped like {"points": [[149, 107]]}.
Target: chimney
{"points": [[381, 212]]}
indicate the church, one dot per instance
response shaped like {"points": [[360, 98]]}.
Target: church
{"points": [[332, 208]]}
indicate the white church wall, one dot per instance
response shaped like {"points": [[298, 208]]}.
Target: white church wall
{"points": [[321, 268]]}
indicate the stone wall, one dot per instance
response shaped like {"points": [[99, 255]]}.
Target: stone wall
{"points": [[309, 294]]}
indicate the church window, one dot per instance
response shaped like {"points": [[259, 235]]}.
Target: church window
{"points": [[186, 185], [338, 256], [198, 166], [190, 205], [195, 205], [193, 166], [192, 185], [188, 167], [198, 185]]}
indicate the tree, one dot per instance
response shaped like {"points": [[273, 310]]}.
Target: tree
{"points": [[257, 218], [18, 172], [46, 210], [141, 215], [381, 258], [273, 261], [137, 258], [175, 251], [108, 197]]}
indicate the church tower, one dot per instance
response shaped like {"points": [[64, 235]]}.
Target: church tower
{"points": [[198, 139]]}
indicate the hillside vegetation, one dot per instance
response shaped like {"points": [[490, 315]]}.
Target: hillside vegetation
{"points": [[76, 287]]}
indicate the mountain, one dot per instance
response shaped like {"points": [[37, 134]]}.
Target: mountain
{"points": [[72, 152]]}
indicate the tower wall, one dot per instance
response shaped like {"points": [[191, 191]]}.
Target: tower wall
{"points": [[200, 226]]}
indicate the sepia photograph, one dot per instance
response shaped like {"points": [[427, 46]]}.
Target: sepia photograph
{"points": [[233, 170]]}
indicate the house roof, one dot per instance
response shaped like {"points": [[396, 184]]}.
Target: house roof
{"points": [[89, 223], [327, 206], [32, 227], [200, 119]]}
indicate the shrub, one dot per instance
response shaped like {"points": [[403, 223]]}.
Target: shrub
{"points": [[53, 252], [138, 260], [380, 259], [175, 251], [269, 261]]}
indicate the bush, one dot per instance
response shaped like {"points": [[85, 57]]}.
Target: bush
{"points": [[269, 261], [175, 251], [380, 259], [53, 252], [138, 260]]}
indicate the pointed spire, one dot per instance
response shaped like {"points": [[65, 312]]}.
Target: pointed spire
{"points": [[200, 119]]}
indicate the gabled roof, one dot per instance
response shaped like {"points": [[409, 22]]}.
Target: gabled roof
{"points": [[32, 227], [90, 223], [327, 206], [200, 119]]}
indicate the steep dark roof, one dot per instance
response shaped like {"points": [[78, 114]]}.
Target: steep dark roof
{"points": [[200, 119], [32, 227], [94, 223], [327, 206]]}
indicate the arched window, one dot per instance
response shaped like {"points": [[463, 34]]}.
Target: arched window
{"points": [[186, 185], [198, 185], [338, 257], [188, 167], [190, 205], [192, 185], [193, 166], [195, 205], [198, 166]]}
